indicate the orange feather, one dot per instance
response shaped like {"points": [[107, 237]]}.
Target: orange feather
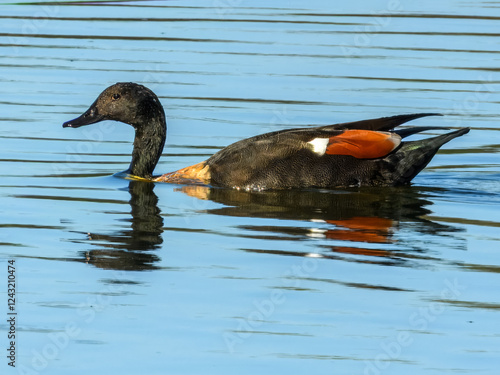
{"points": [[363, 144]]}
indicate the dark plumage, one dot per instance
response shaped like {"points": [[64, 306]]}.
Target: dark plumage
{"points": [[361, 153]]}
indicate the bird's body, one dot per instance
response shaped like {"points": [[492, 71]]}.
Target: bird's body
{"points": [[362, 153]]}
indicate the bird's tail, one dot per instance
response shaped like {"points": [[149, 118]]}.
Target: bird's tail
{"points": [[412, 157]]}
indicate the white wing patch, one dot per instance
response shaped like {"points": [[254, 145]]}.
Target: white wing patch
{"points": [[319, 145]]}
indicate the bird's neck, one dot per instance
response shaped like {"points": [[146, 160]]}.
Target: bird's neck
{"points": [[150, 135]]}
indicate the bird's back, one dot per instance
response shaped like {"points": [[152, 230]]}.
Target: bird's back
{"points": [[315, 157]]}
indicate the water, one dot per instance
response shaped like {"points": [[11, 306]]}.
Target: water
{"points": [[126, 277]]}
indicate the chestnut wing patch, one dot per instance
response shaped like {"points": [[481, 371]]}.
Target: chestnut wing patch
{"points": [[362, 144]]}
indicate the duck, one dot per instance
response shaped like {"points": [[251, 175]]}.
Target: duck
{"points": [[352, 154]]}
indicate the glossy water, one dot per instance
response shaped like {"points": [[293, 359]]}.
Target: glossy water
{"points": [[126, 277]]}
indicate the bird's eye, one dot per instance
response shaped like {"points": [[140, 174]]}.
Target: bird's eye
{"points": [[116, 96]]}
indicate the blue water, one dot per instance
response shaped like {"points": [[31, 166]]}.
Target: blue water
{"points": [[115, 276]]}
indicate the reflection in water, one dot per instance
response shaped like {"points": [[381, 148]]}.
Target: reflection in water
{"points": [[366, 219], [362, 222], [128, 249]]}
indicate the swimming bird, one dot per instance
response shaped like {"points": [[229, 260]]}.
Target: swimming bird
{"points": [[361, 153]]}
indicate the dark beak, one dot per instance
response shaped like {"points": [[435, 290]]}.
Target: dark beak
{"points": [[91, 116]]}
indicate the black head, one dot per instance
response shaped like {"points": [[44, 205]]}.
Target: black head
{"points": [[126, 102], [138, 106]]}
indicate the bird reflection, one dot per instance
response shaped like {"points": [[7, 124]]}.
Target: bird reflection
{"points": [[361, 222], [368, 216], [129, 249]]}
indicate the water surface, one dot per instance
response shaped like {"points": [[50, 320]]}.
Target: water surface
{"points": [[126, 277]]}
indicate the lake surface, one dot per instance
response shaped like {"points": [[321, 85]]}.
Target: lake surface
{"points": [[122, 277]]}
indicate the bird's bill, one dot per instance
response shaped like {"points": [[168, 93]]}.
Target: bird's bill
{"points": [[91, 116]]}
